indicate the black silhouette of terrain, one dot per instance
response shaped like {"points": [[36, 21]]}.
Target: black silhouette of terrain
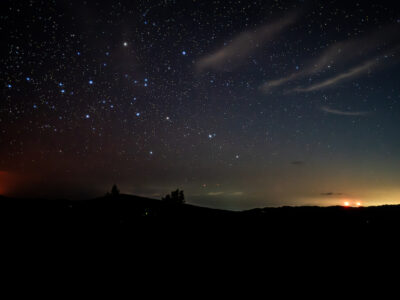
{"points": [[126, 210]]}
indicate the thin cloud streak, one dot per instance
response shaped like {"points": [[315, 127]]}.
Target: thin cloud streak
{"points": [[352, 73], [343, 113], [340, 53], [242, 45]]}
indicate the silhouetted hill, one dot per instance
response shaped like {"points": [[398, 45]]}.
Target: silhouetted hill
{"points": [[121, 210], [125, 210]]}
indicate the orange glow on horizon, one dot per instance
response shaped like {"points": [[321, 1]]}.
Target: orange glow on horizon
{"points": [[348, 203]]}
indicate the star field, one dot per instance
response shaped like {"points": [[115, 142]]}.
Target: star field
{"points": [[239, 103]]}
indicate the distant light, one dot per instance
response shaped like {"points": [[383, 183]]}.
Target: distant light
{"points": [[34, 106], [87, 116], [146, 85], [28, 79], [167, 118], [78, 53], [137, 114], [346, 204], [358, 204], [151, 152], [61, 84], [237, 156], [184, 53], [108, 53], [125, 44], [90, 82], [62, 91], [146, 80], [9, 86]]}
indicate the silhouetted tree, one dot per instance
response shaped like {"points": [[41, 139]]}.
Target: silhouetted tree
{"points": [[115, 191], [176, 197]]}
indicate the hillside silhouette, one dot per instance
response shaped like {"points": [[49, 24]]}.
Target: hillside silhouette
{"points": [[126, 210]]}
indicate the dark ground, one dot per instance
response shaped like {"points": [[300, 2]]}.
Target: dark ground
{"points": [[126, 211]]}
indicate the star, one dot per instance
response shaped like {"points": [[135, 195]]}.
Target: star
{"points": [[184, 53], [90, 82], [87, 117], [125, 44]]}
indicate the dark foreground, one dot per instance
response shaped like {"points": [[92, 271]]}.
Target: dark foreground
{"points": [[126, 211]]}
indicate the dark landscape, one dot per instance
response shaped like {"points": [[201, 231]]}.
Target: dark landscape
{"points": [[126, 211]]}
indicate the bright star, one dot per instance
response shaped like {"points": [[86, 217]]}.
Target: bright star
{"points": [[184, 53], [90, 81], [137, 114], [125, 44]]}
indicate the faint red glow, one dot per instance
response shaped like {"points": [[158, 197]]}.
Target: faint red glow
{"points": [[3, 179]]}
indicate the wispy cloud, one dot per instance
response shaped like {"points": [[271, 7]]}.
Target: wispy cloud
{"points": [[352, 73], [341, 54], [237, 194], [215, 193], [223, 193], [241, 46], [343, 113], [330, 194]]}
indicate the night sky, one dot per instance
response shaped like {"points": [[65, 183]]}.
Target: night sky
{"points": [[241, 104]]}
